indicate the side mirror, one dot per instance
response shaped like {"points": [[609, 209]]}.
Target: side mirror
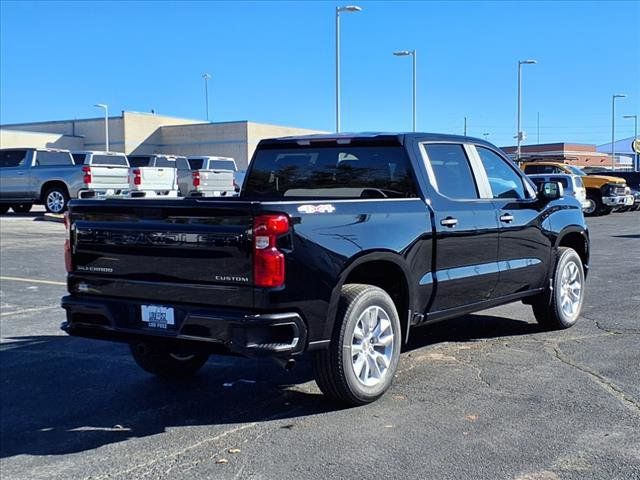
{"points": [[550, 191]]}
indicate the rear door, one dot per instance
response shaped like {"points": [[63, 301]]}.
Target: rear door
{"points": [[109, 172], [524, 251], [466, 252]]}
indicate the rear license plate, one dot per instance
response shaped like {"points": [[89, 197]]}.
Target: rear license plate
{"points": [[157, 316]]}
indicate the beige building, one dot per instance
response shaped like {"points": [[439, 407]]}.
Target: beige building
{"points": [[145, 133]]}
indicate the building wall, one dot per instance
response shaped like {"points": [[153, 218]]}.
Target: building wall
{"points": [[19, 138], [142, 131], [260, 131]]}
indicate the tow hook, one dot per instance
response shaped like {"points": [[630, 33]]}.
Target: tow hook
{"points": [[286, 363]]}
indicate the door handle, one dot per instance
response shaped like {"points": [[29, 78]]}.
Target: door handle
{"points": [[506, 218], [449, 222]]}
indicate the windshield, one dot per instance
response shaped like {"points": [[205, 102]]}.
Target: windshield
{"points": [[331, 172], [576, 170]]}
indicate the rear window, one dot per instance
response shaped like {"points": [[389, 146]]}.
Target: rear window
{"points": [[222, 165], [195, 163], [139, 161], [562, 180], [165, 162], [12, 158], [78, 158], [331, 172], [116, 160]]}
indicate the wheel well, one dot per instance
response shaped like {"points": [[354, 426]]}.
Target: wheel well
{"points": [[594, 191], [389, 277], [48, 185], [578, 243]]}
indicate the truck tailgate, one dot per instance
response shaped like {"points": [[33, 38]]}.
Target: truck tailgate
{"points": [[185, 251], [215, 180], [155, 178], [109, 177]]}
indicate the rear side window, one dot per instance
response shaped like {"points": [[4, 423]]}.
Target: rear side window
{"points": [[503, 179], [115, 160], [195, 163], [222, 165], [49, 159], [12, 158], [79, 158], [331, 172], [532, 169], [139, 161], [452, 171]]}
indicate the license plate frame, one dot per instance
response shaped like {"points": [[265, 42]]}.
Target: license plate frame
{"points": [[158, 317]]}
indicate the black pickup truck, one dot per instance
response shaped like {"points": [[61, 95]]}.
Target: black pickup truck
{"points": [[338, 245]]}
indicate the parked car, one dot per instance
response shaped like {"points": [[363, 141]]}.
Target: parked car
{"points": [[604, 193], [51, 177], [107, 173], [157, 175], [572, 185], [210, 177], [338, 245]]}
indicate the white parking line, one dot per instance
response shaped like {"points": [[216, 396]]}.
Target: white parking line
{"points": [[32, 280], [28, 310]]}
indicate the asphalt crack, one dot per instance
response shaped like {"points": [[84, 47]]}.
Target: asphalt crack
{"points": [[607, 385]]}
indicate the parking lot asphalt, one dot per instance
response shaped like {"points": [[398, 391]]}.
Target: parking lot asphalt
{"points": [[486, 396]]}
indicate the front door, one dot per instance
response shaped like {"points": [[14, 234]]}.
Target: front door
{"points": [[524, 251]]}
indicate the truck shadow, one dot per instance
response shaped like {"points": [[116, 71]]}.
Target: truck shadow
{"points": [[64, 395]]}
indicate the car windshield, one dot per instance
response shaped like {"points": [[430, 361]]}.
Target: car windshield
{"points": [[576, 170]]}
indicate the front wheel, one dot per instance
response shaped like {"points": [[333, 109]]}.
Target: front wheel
{"points": [[560, 305], [22, 207], [160, 361], [359, 365]]}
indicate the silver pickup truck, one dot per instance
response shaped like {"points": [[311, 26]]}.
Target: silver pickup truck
{"points": [[153, 176], [210, 177], [52, 177]]}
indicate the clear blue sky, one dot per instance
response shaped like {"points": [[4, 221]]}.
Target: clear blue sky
{"points": [[273, 62]]}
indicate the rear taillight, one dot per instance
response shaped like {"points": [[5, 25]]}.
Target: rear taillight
{"points": [[268, 261], [87, 174], [68, 260], [137, 179], [196, 179]]}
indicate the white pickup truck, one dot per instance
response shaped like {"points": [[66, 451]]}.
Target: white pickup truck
{"points": [[154, 176], [211, 177], [52, 177]]}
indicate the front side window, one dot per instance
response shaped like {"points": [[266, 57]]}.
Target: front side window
{"points": [[504, 181], [49, 159], [12, 158], [139, 161], [331, 172], [196, 163], [452, 171]]}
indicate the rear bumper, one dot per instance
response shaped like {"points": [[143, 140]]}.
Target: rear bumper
{"points": [[217, 331], [115, 192], [133, 193], [211, 193]]}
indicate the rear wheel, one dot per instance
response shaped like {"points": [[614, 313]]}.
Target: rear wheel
{"points": [[56, 199], [22, 207], [559, 307], [359, 365], [160, 361]]}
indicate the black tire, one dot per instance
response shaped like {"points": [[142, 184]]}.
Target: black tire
{"points": [[22, 207], [548, 306], [56, 199], [594, 205], [4, 209], [334, 367], [159, 361], [604, 210]]}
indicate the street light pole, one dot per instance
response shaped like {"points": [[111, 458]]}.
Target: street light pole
{"points": [[206, 78], [519, 134], [636, 164], [106, 124], [339, 10], [413, 53], [613, 127]]}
